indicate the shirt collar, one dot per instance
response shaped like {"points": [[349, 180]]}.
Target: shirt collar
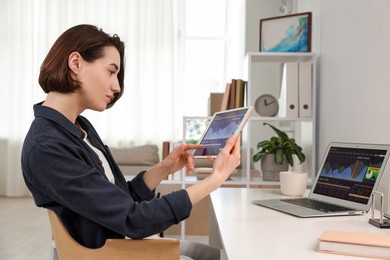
{"points": [[55, 116]]}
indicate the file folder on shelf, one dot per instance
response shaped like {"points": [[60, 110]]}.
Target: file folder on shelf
{"points": [[292, 81], [305, 89]]}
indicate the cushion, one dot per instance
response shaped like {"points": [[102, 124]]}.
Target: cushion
{"points": [[137, 155]]}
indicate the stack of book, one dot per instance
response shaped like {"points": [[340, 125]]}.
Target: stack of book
{"points": [[234, 96], [355, 243]]}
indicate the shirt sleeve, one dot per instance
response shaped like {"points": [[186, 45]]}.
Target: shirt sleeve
{"points": [[62, 174]]}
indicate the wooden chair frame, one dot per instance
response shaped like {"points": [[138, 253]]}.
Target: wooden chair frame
{"points": [[143, 249]]}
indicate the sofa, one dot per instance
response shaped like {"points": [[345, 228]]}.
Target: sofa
{"points": [[133, 160]]}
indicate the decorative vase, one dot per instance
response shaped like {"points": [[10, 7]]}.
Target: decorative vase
{"points": [[270, 169]]}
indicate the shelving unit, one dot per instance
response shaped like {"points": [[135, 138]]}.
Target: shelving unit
{"points": [[264, 73]]}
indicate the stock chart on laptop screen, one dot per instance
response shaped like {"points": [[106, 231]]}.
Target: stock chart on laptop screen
{"points": [[350, 173]]}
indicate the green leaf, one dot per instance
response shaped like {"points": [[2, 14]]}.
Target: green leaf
{"points": [[257, 157], [289, 158], [281, 134], [263, 144], [279, 156]]}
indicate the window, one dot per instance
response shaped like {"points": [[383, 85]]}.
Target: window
{"points": [[206, 51]]}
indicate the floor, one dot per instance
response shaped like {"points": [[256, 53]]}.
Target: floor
{"points": [[25, 230]]}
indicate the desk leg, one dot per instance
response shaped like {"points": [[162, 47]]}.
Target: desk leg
{"points": [[214, 236]]}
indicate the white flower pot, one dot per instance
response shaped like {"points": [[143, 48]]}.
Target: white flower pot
{"points": [[293, 183]]}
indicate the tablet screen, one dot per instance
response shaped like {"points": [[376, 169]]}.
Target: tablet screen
{"points": [[222, 126]]}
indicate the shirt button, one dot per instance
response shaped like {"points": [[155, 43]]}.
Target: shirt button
{"points": [[100, 162]]}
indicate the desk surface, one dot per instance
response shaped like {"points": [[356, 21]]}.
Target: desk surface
{"points": [[248, 231]]}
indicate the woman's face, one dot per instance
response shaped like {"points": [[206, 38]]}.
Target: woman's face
{"points": [[99, 80]]}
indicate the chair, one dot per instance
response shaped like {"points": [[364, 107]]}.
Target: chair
{"points": [[145, 249]]}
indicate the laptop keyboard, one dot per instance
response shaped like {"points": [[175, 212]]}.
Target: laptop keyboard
{"points": [[318, 205]]}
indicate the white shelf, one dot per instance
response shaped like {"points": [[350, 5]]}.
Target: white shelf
{"points": [[281, 119], [280, 57], [264, 76], [234, 181]]}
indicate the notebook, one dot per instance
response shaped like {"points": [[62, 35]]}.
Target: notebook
{"points": [[348, 174]]}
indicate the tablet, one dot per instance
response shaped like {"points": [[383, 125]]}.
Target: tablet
{"points": [[222, 125]]}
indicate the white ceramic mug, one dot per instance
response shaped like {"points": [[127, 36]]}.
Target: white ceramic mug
{"points": [[293, 183]]}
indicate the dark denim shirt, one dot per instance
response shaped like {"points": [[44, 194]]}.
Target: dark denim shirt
{"points": [[65, 175]]}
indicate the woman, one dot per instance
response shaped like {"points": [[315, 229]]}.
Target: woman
{"points": [[69, 170]]}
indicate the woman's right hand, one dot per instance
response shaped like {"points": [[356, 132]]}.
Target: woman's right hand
{"points": [[223, 165], [228, 159]]}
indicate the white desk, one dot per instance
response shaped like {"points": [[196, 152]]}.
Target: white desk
{"points": [[247, 231]]}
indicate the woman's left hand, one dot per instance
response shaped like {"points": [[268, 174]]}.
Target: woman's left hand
{"points": [[179, 158]]}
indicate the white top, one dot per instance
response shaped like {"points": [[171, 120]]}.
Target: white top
{"points": [[102, 158], [248, 231]]}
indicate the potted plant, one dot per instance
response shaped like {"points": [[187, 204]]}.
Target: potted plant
{"points": [[277, 153]]}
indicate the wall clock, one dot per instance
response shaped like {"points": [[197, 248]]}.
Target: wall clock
{"points": [[267, 105]]}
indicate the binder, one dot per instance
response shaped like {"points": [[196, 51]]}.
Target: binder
{"points": [[292, 105], [305, 89]]}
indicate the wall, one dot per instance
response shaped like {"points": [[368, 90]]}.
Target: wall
{"points": [[353, 42], [256, 10]]}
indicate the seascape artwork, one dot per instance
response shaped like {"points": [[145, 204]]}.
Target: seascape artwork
{"points": [[291, 34]]}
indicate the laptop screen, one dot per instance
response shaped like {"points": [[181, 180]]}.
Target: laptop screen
{"points": [[350, 173]]}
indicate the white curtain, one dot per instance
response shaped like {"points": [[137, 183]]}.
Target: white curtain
{"points": [[145, 114]]}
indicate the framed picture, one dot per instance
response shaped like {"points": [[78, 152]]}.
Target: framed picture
{"points": [[289, 33]]}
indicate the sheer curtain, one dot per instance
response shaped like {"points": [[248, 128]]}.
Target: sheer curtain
{"points": [[145, 114]]}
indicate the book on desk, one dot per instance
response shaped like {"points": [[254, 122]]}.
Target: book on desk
{"points": [[355, 244]]}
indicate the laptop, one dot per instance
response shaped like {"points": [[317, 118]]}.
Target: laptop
{"points": [[347, 176]]}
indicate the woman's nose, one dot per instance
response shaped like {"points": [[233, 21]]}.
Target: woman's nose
{"points": [[115, 87]]}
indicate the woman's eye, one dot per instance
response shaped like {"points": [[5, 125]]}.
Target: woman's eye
{"points": [[111, 72]]}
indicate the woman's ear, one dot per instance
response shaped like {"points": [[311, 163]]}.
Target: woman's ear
{"points": [[74, 62]]}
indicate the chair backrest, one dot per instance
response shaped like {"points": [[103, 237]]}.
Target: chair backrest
{"points": [[69, 249]]}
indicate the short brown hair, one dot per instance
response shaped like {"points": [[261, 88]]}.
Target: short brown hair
{"points": [[89, 41]]}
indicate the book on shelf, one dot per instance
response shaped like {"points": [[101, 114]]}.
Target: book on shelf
{"points": [[234, 96], [215, 102], [240, 93], [225, 99], [372, 245]]}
